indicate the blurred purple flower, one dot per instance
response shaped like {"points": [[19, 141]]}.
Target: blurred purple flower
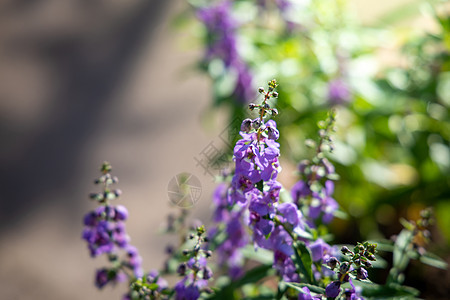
{"points": [[222, 44], [333, 289], [338, 92]]}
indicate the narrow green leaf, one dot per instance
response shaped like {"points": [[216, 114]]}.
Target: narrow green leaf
{"points": [[303, 261], [402, 242], [384, 245], [386, 291], [340, 214], [299, 286], [434, 261]]}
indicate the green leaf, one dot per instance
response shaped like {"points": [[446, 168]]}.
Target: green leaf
{"points": [[299, 286], [384, 245], [401, 244], [303, 261], [340, 214], [385, 291], [434, 261], [408, 225]]}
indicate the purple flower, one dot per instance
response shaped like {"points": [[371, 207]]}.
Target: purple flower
{"points": [[289, 213], [333, 289], [135, 261], [353, 293], [90, 219], [121, 213], [101, 278], [104, 276], [183, 292], [243, 91], [338, 92], [207, 273], [318, 249], [99, 238], [237, 238], [256, 156], [306, 295], [285, 267], [220, 201], [222, 44], [126, 297], [300, 190], [154, 277], [361, 273], [323, 204]]}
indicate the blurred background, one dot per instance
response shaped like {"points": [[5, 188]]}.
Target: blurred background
{"points": [[86, 81]]}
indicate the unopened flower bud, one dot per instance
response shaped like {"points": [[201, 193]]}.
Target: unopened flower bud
{"points": [[368, 264], [275, 94], [207, 273], [361, 274], [332, 262], [345, 250], [261, 89], [246, 125], [121, 213], [252, 106], [117, 192], [186, 252], [256, 123], [274, 112], [266, 106], [333, 289], [181, 269], [344, 267], [208, 253], [273, 133], [169, 249]]}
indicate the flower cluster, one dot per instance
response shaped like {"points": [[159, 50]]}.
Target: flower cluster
{"points": [[356, 267], [252, 208], [151, 286], [105, 233], [314, 191], [237, 236], [195, 270], [222, 45], [254, 192]]}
